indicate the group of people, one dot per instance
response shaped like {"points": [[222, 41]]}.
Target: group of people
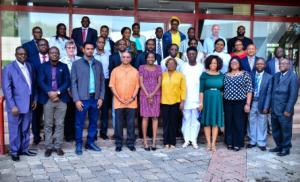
{"points": [[216, 85]]}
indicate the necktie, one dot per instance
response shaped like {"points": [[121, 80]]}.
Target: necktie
{"points": [[159, 47], [257, 79], [44, 58], [84, 35]]}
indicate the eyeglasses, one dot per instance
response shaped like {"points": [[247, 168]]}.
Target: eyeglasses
{"points": [[70, 47]]}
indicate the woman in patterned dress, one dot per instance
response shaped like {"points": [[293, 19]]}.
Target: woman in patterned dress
{"points": [[150, 81]]}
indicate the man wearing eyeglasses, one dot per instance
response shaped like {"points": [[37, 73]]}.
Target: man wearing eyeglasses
{"points": [[284, 97]]}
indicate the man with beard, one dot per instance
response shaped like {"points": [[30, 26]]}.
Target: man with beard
{"points": [[240, 36]]}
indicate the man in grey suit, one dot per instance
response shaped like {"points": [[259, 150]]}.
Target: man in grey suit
{"points": [[284, 97], [19, 93], [257, 128]]}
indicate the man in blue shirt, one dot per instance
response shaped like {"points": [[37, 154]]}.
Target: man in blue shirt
{"points": [[209, 42], [88, 89]]}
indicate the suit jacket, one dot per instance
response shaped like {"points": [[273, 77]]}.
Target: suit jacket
{"points": [[285, 93], [161, 47], [112, 46], [246, 66], [77, 36], [35, 62], [31, 48], [15, 88], [80, 77], [270, 67], [167, 41], [62, 79], [140, 59], [265, 92]]}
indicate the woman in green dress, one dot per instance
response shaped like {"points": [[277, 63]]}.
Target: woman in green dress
{"points": [[211, 102]]}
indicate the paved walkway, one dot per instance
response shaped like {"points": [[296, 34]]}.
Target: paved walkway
{"points": [[161, 165]]}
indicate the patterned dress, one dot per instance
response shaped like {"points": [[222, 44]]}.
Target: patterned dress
{"points": [[150, 80]]}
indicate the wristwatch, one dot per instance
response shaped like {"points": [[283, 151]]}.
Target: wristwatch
{"points": [[58, 92]]}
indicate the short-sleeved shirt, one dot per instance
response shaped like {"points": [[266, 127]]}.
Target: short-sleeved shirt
{"points": [[237, 87], [125, 80]]}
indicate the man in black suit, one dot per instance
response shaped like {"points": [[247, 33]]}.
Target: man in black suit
{"points": [[36, 61], [31, 46], [158, 41], [284, 97], [109, 44], [115, 59], [84, 34]]}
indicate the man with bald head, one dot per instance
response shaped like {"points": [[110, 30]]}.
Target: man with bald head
{"points": [[124, 84], [284, 97], [209, 42], [54, 82]]}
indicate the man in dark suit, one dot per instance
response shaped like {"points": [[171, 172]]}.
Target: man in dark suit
{"points": [[109, 44], [273, 64], [284, 97], [257, 128], [248, 63], [54, 81], [240, 36], [84, 34], [36, 61], [140, 58], [115, 59], [19, 92], [31, 46], [159, 42]]}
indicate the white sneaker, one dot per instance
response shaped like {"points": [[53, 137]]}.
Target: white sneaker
{"points": [[195, 146], [185, 144]]}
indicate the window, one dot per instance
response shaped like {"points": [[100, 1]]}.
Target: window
{"points": [[115, 23], [20, 31]]}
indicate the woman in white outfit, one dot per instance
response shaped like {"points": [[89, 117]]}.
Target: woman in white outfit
{"points": [[192, 71]]}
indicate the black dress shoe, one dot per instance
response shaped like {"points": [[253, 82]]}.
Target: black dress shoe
{"points": [[147, 148], [118, 149], [276, 149], [262, 148], [153, 148], [229, 147], [59, 152], [15, 157], [236, 149], [283, 153], [249, 146], [103, 136], [132, 148], [48, 152], [29, 153]]}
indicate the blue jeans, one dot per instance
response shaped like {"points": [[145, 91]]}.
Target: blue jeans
{"points": [[89, 106], [123, 116]]}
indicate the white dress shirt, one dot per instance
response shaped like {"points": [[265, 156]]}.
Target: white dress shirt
{"points": [[25, 73], [163, 64], [161, 45], [68, 61]]}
